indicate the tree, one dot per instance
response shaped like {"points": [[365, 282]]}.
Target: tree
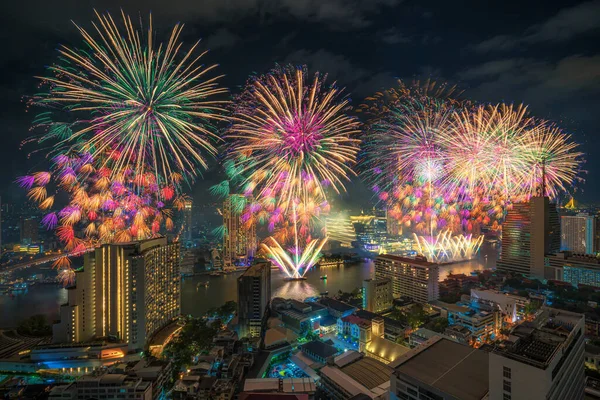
{"points": [[438, 325], [416, 316], [36, 325]]}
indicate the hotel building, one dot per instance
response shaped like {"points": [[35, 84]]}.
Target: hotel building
{"points": [[127, 291], [579, 234], [414, 278]]}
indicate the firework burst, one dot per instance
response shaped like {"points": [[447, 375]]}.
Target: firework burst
{"points": [[291, 141], [151, 105]]}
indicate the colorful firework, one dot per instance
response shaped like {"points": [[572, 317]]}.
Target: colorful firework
{"points": [[446, 247], [151, 105], [291, 141], [100, 209], [442, 165], [291, 138]]}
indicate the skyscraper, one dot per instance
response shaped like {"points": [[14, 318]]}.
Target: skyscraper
{"points": [[127, 291], [530, 231], [579, 234], [187, 221], [239, 239], [254, 295], [413, 278], [29, 230]]}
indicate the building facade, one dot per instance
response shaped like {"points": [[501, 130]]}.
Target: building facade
{"points": [[378, 295], [127, 291], [579, 234], [543, 359], [239, 238], [576, 269], [416, 279], [254, 295], [530, 231]]}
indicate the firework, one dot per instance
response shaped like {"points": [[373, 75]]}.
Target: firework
{"points": [[446, 247], [100, 209], [501, 150], [291, 141], [404, 162], [152, 105], [442, 165], [291, 137]]}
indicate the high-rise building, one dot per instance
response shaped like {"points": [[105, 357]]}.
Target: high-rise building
{"points": [[239, 239], [415, 278], [530, 231], [579, 234], [127, 291], [254, 295], [576, 269], [29, 230], [377, 295], [542, 359], [187, 221]]}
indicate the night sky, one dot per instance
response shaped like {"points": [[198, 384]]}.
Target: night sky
{"points": [[545, 54]]}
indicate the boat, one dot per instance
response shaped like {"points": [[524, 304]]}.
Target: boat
{"points": [[324, 277], [205, 284], [290, 279], [325, 293]]}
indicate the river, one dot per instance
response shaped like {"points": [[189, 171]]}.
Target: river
{"points": [[196, 298]]}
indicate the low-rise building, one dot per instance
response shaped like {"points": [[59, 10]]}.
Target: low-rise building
{"points": [[299, 316], [511, 306], [592, 356], [336, 308], [352, 374], [283, 386], [318, 351], [105, 386]]}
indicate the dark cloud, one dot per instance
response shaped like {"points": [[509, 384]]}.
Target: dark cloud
{"points": [[566, 24], [394, 36], [222, 38]]}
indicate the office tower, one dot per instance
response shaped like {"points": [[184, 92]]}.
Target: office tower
{"points": [[239, 239], [414, 278], [187, 221], [254, 295], [29, 230], [542, 359], [127, 291], [377, 295], [579, 234], [530, 231]]}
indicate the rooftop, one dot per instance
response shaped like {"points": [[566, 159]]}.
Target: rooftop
{"points": [[450, 367], [368, 372], [336, 304], [356, 320], [386, 349], [537, 342], [319, 348], [256, 269]]}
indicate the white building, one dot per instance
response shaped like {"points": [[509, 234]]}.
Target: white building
{"points": [[543, 359], [578, 234], [511, 306], [377, 295], [415, 278]]}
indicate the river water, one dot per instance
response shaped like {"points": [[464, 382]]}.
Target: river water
{"points": [[196, 298]]}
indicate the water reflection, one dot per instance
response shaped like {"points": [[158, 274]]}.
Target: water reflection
{"points": [[197, 297]]}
